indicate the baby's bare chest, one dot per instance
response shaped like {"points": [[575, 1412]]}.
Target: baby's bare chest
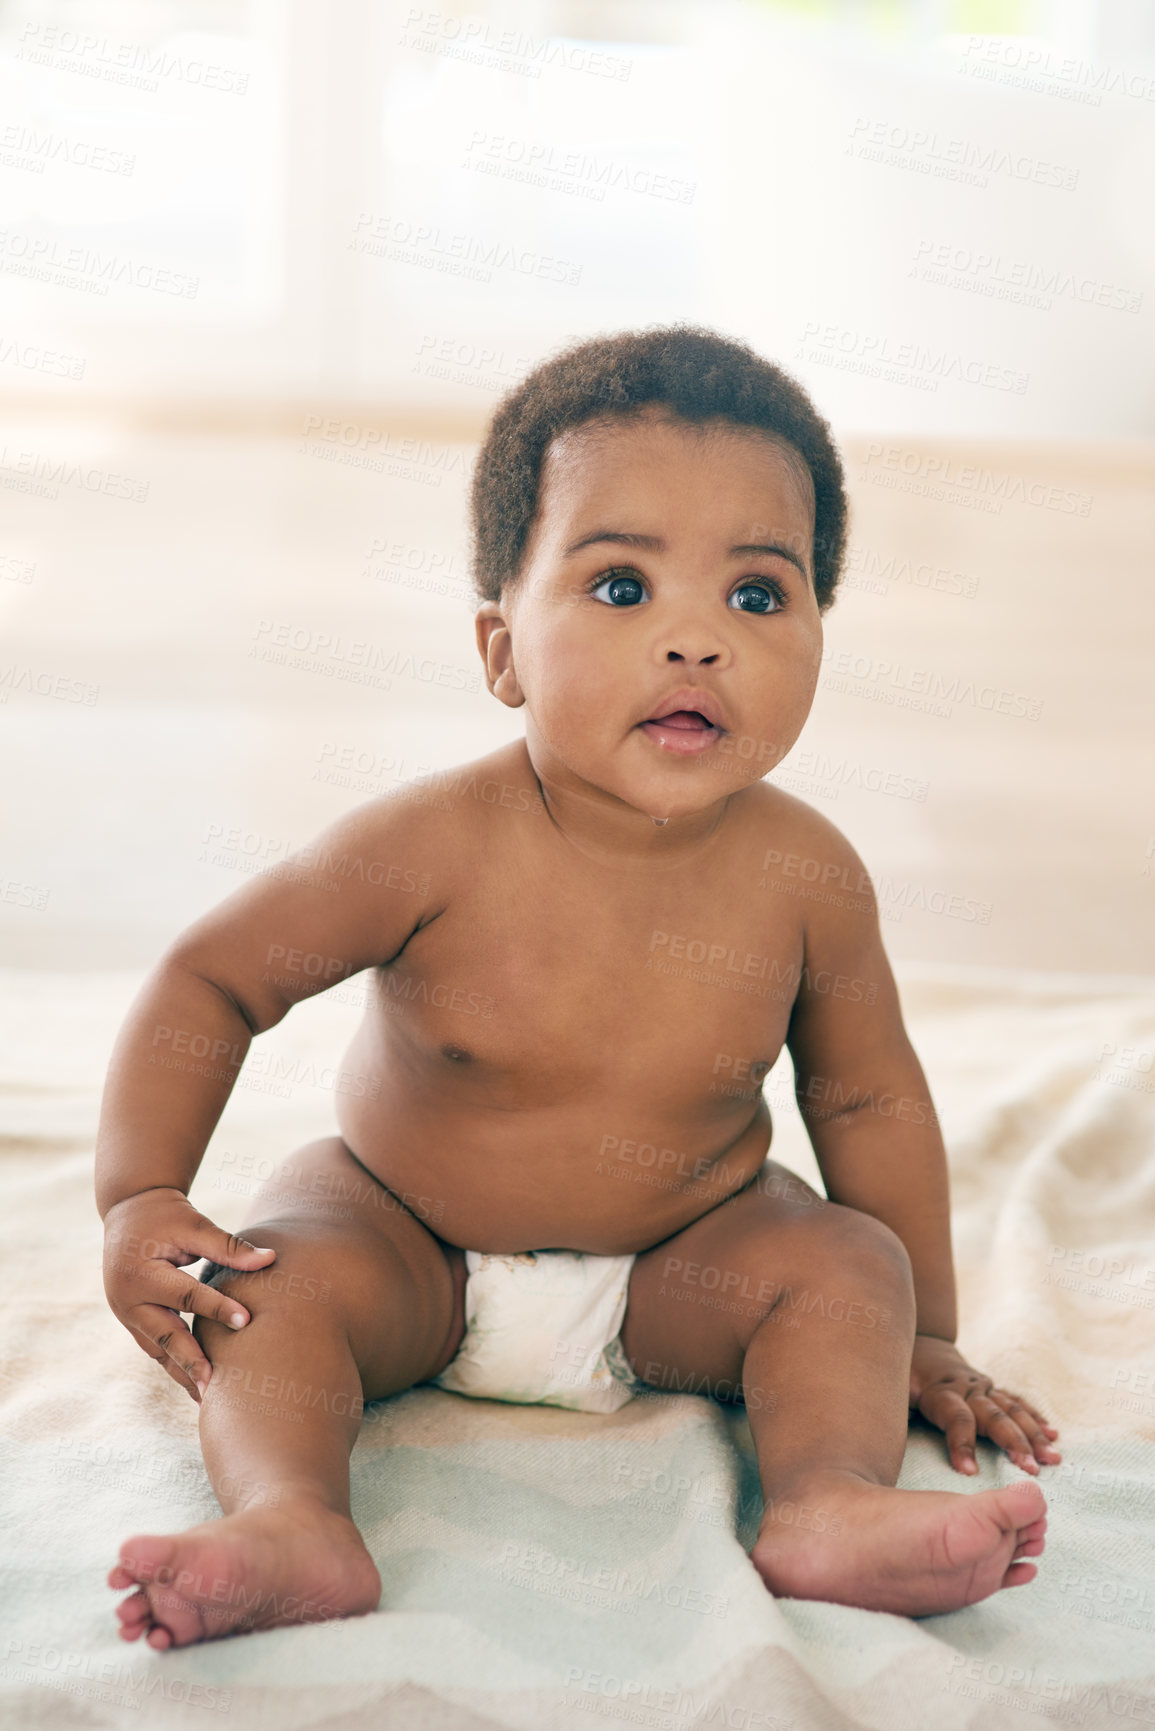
{"points": [[573, 982]]}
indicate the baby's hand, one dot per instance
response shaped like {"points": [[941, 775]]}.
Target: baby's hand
{"points": [[963, 1402], [146, 1239]]}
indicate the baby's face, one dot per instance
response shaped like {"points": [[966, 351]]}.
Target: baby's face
{"points": [[664, 633]]}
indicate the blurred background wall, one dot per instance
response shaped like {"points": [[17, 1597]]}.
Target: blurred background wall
{"points": [[265, 269]]}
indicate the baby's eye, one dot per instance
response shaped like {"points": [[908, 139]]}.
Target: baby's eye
{"points": [[623, 589], [757, 598]]}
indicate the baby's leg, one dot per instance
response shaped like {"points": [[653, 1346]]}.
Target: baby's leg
{"points": [[361, 1302], [810, 1307]]}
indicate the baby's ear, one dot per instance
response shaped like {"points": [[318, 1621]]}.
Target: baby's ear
{"points": [[496, 648]]}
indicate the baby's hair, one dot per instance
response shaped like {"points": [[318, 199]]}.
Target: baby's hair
{"points": [[694, 374]]}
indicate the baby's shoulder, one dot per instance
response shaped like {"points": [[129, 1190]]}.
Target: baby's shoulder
{"points": [[503, 780], [802, 853], [450, 810]]}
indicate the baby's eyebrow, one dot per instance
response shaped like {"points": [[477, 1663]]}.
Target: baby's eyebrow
{"points": [[655, 544]]}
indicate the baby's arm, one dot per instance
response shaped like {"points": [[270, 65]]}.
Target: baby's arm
{"points": [[353, 898], [860, 1087], [876, 1137]]}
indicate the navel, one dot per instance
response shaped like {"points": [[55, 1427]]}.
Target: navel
{"points": [[457, 1053]]}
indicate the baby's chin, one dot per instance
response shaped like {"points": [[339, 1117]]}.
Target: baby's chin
{"points": [[637, 774], [687, 789]]}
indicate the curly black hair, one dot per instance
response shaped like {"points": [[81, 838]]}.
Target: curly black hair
{"points": [[693, 372]]}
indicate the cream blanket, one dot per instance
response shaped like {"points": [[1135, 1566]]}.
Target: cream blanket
{"points": [[544, 1568]]}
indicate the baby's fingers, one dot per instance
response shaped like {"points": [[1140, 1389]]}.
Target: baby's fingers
{"points": [[1032, 1424], [175, 1347], [229, 1250], [181, 1377], [1002, 1429], [950, 1412], [178, 1290]]}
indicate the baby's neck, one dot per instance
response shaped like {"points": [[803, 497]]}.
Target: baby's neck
{"points": [[611, 832]]}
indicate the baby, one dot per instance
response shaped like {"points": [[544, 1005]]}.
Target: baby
{"points": [[551, 1183]]}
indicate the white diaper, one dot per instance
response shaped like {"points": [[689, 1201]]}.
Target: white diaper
{"points": [[541, 1328]]}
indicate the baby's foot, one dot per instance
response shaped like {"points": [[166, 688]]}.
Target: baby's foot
{"points": [[838, 1537], [253, 1570]]}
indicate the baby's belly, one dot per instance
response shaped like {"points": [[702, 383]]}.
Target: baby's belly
{"points": [[553, 1178]]}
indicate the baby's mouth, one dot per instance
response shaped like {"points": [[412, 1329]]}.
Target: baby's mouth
{"points": [[691, 720], [685, 731]]}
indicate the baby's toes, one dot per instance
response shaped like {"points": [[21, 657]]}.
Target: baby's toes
{"points": [[1021, 1508], [1032, 1539], [135, 1615], [144, 1556]]}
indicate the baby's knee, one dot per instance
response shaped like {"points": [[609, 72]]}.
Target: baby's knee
{"points": [[864, 1248], [299, 1281]]}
